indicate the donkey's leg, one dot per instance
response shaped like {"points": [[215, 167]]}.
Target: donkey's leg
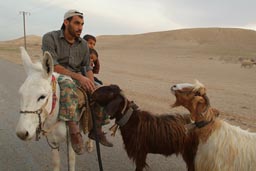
{"points": [[89, 145], [56, 159], [72, 158]]}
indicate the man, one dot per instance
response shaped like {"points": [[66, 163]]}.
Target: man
{"points": [[70, 53]]}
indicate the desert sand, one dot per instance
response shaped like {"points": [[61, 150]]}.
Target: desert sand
{"points": [[146, 65]]}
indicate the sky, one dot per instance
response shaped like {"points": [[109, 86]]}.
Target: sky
{"points": [[119, 17]]}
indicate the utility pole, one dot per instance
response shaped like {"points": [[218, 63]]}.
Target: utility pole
{"points": [[24, 26]]}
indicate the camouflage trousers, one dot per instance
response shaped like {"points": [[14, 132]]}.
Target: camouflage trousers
{"points": [[69, 110], [68, 99]]}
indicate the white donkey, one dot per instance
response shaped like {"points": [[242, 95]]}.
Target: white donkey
{"points": [[39, 107]]}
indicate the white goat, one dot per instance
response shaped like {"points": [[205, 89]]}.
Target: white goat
{"points": [[222, 147]]}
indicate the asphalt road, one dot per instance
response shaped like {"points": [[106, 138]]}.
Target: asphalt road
{"points": [[17, 155]]}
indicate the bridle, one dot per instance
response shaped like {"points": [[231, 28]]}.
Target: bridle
{"points": [[40, 110], [38, 113]]}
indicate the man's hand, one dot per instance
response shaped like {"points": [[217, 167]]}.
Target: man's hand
{"points": [[86, 83]]}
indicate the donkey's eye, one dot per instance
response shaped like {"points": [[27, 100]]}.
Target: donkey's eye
{"points": [[41, 98]]}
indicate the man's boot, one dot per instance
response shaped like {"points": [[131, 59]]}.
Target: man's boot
{"points": [[76, 137], [101, 135]]}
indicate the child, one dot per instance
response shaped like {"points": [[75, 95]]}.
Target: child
{"points": [[94, 58], [91, 41]]}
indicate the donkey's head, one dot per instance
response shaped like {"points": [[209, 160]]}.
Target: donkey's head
{"points": [[35, 95]]}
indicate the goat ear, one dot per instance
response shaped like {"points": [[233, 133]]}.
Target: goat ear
{"points": [[196, 101], [200, 99], [195, 104], [47, 65], [113, 106]]}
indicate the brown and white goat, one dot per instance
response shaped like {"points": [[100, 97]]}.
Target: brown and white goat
{"points": [[142, 131], [222, 147]]}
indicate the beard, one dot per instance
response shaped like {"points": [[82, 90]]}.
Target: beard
{"points": [[72, 32]]}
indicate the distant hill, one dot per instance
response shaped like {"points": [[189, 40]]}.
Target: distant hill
{"points": [[197, 36], [30, 39], [9, 50], [222, 43], [217, 42]]}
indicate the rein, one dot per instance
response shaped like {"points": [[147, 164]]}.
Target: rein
{"points": [[40, 111]]}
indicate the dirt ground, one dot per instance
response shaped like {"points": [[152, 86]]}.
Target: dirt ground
{"points": [[145, 67]]}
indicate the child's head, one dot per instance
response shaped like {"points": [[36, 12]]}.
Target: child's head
{"points": [[91, 40], [93, 55]]}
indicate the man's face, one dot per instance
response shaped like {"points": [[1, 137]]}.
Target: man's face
{"points": [[75, 26], [91, 43]]}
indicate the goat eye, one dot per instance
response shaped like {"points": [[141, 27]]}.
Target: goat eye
{"points": [[41, 98]]}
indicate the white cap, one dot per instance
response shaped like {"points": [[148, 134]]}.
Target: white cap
{"points": [[71, 13]]}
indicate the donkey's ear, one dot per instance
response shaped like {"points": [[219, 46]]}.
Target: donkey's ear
{"points": [[113, 106], [47, 65], [27, 63]]}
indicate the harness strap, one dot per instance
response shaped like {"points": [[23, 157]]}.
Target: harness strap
{"points": [[126, 116], [121, 122]]}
